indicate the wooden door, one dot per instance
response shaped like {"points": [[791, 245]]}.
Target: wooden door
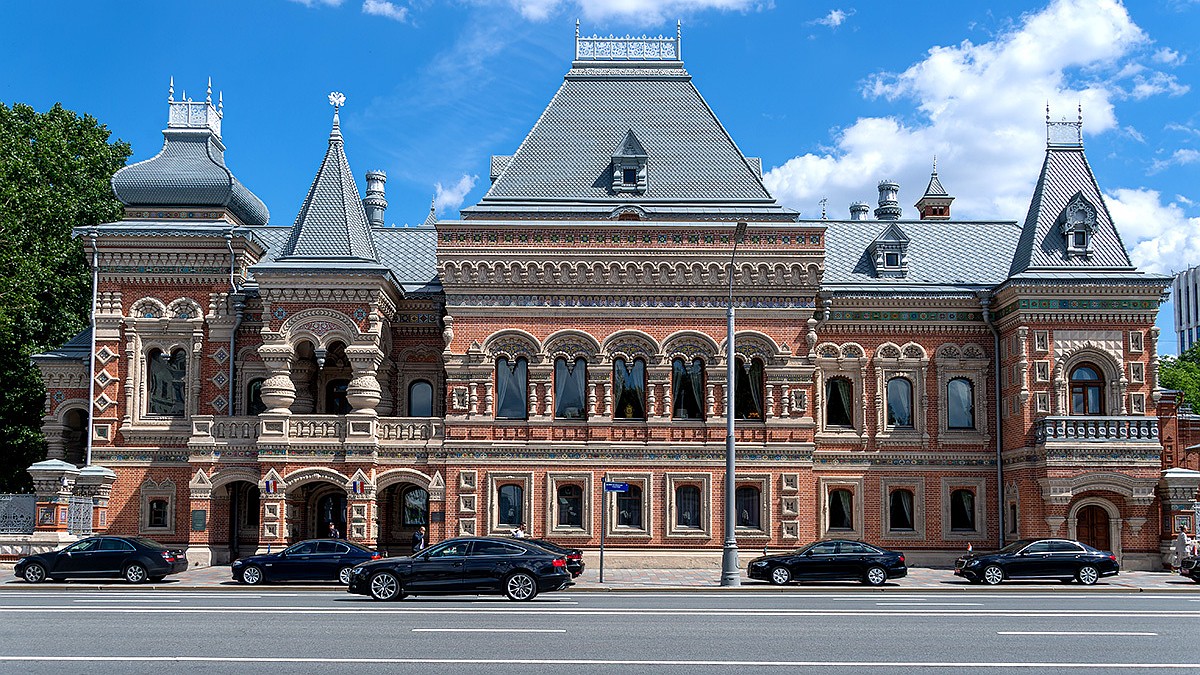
{"points": [[1091, 527]]}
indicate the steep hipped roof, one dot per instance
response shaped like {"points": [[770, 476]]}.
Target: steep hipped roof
{"points": [[935, 189], [332, 224]]}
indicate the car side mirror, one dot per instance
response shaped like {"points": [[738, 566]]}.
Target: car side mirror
{"points": [[808, 554]]}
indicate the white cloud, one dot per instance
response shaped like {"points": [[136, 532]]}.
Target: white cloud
{"points": [[450, 198], [385, 9], [641, 11], [314, 3], [1169, 57], [834, 18], [1160, 237]]}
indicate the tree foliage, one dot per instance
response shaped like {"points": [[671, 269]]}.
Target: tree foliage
{"points": [[55, 169], [1183, 374]]}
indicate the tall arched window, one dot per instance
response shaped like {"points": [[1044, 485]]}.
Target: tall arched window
{"points": [[899, 403], [841, 510], [748, 501], [570, 389], [570, 506], [511, 395], [414, 506], [900, 510], [839, 403], [1087, 390], [510, 506], [629, 508], [629, 389], [254, 402], [960, 404], [336, 402], [687, 389], [687, 507], [420, 399], [166, 385], [749, 391], [962, 511]]}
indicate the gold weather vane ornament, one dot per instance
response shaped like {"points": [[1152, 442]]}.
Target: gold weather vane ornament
{"points": [[337, 99]]}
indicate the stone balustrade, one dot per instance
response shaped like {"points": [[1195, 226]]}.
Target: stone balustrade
{"points": [[215, 432], [1128, 429]]}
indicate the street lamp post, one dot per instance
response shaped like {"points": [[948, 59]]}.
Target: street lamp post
{"points": [[731, 574]]}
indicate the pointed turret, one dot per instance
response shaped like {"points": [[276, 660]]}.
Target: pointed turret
{"points": [[935, 203]]}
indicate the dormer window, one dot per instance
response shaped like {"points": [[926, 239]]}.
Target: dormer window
{"points": [[629, 166], [889, 252], [1078, 223], [891, 260], [629, 177]]}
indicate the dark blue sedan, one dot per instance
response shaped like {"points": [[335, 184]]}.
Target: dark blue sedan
{"points": [[311, 560]]}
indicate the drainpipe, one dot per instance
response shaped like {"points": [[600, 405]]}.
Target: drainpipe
{"points": [[235, 300], [87, 433], [985, 303]]}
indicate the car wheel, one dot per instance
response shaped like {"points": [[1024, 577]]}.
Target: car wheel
{"points": [[1088, 575], [780, 575], [385, 586], [134, 573], [992, 575], [344, 576], [35, 573], [520, 586], [253, 575], [875, 576]]}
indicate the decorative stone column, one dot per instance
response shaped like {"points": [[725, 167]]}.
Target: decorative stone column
{"points": [[96, 482], [278, 391], [53, 483], [302, 375], [200, 550], [364, 392], [361, 502], [56, 442], [272, 518]]}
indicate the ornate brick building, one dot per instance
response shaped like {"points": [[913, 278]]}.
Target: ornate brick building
{"points": [[253, 384]]}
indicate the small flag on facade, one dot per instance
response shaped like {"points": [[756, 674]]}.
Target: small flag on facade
{"points": [[357, 486], [970, 548], [270, 486]]}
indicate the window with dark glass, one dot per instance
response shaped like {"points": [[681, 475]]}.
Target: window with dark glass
{"points": [[254, 402], [629, 508], [748, 499], [687, 507], [629, 389], [511, 506], [960, 404], [1080, 238], [629, 176], [336, 401], [166, 386], [158, 513], [749, 392], [511, 396], [899, 403], [570, 506], [962, 511], [841, 510], [687, 389], [891, 259], [900, 510], [1087, 390], [570, 389], [839, 401], [420, 399], [414, 505]]}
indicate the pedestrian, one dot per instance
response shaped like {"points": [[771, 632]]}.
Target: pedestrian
{"points": [[519, 533], [333, 531], [1181, 547], [418, 539]]}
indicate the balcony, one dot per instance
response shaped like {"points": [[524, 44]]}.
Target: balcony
{"points": [[1078, 428], [239, 436]]}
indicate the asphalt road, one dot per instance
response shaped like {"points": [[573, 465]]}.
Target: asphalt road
{"points": [[138, 631]]}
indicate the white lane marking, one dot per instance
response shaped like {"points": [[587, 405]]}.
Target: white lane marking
{"points": [[1073, 632], [122, 600], [959, 665], [929, 604], [489, 630]]}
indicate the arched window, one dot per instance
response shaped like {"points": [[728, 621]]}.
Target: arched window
{"points": [[839, 403], [960, 403], [629, 508], [570, 389], [166, 386], [900, 510], [899, 403], [511, 506], [841, 510], [629, 389], [336, 402], [570, 506], [512, 401], [158, 513], [687, 389], [254, 402], [962, 511], [749, 391], [1087, 390], [687, 507], [414, 506], [748, 501], [420, 399]]}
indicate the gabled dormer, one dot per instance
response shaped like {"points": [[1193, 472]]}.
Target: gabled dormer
{"points": [[629, 166], [889, 252], [1077, 224]]}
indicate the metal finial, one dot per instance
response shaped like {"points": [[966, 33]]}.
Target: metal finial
{"points": [[576, 29], [1047, 111], [1079, 108], [208, 95], [678, 29], [220, 101], [171, 90], [935, 164], [823, 202], [184, 96], [337, 99]]}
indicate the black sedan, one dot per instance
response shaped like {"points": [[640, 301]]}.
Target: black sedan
{"points": [[131, 558], [311, 560], [482, 565], [574, 556], [830, 560], [1039, 559], [1190, 568]]}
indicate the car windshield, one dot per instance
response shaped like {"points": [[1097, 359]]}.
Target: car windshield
{"points": [[149, 542], [1017, 545]]}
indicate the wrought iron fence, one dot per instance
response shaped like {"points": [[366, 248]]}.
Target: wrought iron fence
{"points": [[17, 513], [79, 515]]}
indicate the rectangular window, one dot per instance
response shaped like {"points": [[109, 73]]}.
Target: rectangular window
{"points": [[841, 510], [1041, 371], [891, 259], [1137, 404], [1137, 372], [1135, 340], [1041, 340], [629, 176], [511, 401], [900, 510]]}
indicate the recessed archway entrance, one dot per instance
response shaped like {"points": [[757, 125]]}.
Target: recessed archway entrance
{"points": [[242, 532], [313, 507], [1092, 527], [403, 508]]}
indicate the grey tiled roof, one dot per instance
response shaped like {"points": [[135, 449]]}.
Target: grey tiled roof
{"points": [[75, 349], [332, 223], [935, 189], [942, 255], [1066, 173], [189, 171], [568, 153], [408, 252]]}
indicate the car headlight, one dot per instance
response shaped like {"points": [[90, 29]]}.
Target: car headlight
{"points": [[972, 563], [20, 561], [760, 563]]}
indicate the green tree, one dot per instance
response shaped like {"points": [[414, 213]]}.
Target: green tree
{"points": [[55, 169], [1182, 373]]}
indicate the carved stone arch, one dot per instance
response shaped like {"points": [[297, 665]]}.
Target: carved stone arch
{"points": [[889, 350], [973, 351], [571, 344], [451, 270], [752, 344], [948, 350], [853, 350], [419, 354], [186, 309], [631, 344], [814, 274], [148, 308], [322, 327], [314, 474], [912, 350], [67, 406], [167, 345], [1111, 371], [231, 474], [1114, 521], [689, 344], [829, 350], [628, 212], [512, 343], [248, 353], [392, 477]]}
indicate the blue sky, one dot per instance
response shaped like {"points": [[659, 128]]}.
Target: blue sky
{"points": [[834, 96]]}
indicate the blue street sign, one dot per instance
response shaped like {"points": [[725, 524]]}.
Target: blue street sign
{"points": [[616, 487]]}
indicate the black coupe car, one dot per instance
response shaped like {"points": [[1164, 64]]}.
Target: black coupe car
{"points": [[830, 560], [574, 556], [311, 560], [1190, 568], [482, 565], [131, 558], [1039, 559]]}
